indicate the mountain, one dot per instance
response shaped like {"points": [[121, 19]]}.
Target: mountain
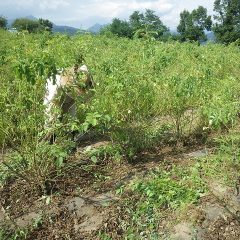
{"points": [[65, 29], [95, 28], [31, 17], [211, 37]]}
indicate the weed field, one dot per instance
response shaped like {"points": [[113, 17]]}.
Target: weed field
{"points": [[152, 105]]}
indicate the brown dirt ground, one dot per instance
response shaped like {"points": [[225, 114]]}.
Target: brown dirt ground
{"points": [[19, 199]]}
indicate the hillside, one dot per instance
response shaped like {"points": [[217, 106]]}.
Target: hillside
{"points": [[95, 28], [65, 29], [211, 37]]}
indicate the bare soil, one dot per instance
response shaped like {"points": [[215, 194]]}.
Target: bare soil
{"points": [[83, 201]]}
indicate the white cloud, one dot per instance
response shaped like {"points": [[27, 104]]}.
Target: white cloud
{"points": [[160, 5], [22, 3], [52, 4], [110, 9]]}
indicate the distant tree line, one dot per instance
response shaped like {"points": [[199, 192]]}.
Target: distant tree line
{"points": [[3, 22], [140, 25], [192, 26], [227, 27], [32, 26]]}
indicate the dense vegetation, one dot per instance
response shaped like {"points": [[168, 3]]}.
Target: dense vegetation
{"points": [[228, 20], [146, 93], [140, 25], [3, 22], [137, 84], [192, 25], [32, 26]]}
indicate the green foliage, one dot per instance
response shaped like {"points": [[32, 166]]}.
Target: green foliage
{"points": [[192, 25], [224, 163], [3, 22], [161, 191], [227, 28], [120, 28], [103, 236], [142, 136], [136, 20], [145, 92], [100, 154], [147, 25], [26, 24], [32, 26], [16, 235], [140, 25], [154, 23], [21, 124], [157, 196], [45, 25]]}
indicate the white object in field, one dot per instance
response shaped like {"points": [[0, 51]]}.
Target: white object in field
{"points": [[51, 93], [53, 90], [83, 68]]}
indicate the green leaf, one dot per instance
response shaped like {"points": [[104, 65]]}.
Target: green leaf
{"points": [[94, 159]]}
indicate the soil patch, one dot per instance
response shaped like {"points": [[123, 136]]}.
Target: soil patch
{"points": [[83, 201]]}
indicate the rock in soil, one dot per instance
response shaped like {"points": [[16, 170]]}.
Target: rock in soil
{"points": [[103, 199], [87, 216], [197, 154], [226, 195], [75, 204], [213, 213], [2, 215], [89, 224], [183, 231], [27, 219]]}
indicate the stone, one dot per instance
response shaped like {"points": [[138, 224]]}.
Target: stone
{"points": [[213, 213], [197, 154], [2, 215], [103, 199], [225, 194], [87, 217], [183, 231], [97, 145], [91, 223], [75, 204], [27, 219]]}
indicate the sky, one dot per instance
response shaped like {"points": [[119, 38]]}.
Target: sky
{"points": [[83, 14]]}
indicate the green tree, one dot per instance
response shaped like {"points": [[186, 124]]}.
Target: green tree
{"points": [[3, 22], [168, 36], [32, 26], [227, 28], [147, 25], [29, 25], [136, 20], [120, 28], [154, 23], [192, 25], [106, 30], [185, 27], [45, 25]]}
